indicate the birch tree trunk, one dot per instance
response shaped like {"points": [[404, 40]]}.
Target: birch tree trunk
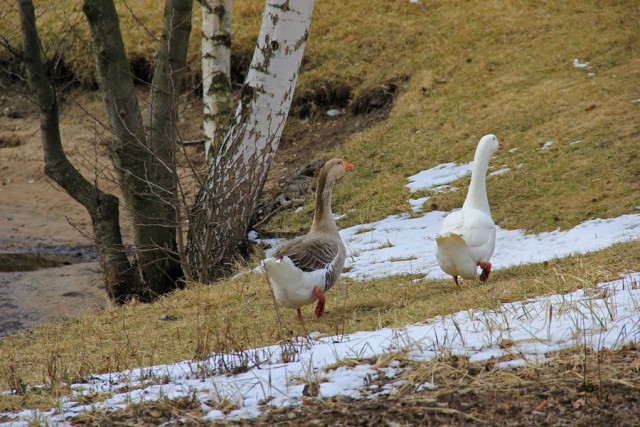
{"points": [[221, 214], [216, 72], [103, 208]]}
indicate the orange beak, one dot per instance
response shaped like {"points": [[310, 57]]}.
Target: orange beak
{"points": [[347, 165], [500, 144]]}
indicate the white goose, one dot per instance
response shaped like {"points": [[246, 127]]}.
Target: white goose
{"points": [[308, 266], [467, 237]]}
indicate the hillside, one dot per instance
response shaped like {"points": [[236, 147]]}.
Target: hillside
{"points": [[416, 85]]}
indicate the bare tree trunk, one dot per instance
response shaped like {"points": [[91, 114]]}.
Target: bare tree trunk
{"points": [[216, 72], [223, 208], [166, 88], [152, 220], [120, 281]]}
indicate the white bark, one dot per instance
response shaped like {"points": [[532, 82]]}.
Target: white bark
{"points": [[216, 69], [269, 86], [235, 179]]}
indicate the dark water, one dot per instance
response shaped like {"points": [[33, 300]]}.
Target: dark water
{"points": [[45, 256], [47, 283]]}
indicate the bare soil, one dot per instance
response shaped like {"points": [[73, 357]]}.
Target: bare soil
{"points": [[39, 220]]}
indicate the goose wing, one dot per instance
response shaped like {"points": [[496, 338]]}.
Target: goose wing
{"points": [[311, 252], [475, 227]]}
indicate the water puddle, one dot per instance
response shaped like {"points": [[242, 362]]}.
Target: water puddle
{"points": [[48, 283]]}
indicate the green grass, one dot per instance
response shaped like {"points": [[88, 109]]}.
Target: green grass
{"points": [[467, 70]]}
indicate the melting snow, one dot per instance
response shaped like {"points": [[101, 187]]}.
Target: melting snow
{"points": [[547, 145], [439, 175], [579, 64], [500, 172], [606, 316]]}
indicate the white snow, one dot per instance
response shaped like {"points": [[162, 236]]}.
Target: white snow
{"points": [[580, 64], [377, 249], [604, 316], [439, 175], [547, 145], [500, 171], [416, 204]]}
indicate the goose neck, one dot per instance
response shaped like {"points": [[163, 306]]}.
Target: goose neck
{"points": [[323, 219], [477, 196]]}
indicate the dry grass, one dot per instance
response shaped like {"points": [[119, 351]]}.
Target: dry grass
{"points": [[505, 69], [485, 67], [238, 315], [463, 72]]}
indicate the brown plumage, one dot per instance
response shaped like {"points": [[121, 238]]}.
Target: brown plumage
{"points": [[308, 266]]}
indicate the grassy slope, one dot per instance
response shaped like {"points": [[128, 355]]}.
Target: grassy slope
{"points": [[487, 67], [506, 69]]}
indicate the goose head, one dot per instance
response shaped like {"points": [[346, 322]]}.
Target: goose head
{"points": [[489, 143], [335, 169], [323, 218], [477, 196]]}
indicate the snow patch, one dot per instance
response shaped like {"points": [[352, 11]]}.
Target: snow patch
{"points": [[580, 64]]}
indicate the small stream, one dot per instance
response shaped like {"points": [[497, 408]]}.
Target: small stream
{"points": [[48, 283]]}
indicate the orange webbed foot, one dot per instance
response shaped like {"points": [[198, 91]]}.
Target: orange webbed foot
{"points": [[321, 300], [486, 270]]}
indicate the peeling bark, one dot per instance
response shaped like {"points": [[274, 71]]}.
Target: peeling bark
{"points": [[216, 70], [220, 217]]}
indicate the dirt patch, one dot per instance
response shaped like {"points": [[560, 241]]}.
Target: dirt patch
{"points": [[28, 298], [36, 216]]}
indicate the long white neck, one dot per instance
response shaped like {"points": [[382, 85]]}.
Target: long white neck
{"points": [[477, 195]]}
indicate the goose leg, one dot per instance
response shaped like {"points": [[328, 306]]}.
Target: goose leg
{"points": [[320, 306], [300, 318], [455, 279], [486, 269]]}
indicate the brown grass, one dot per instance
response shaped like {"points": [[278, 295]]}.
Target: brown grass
{"points": [[505, 69], [238, 315], [463, 72], [487, 66]]}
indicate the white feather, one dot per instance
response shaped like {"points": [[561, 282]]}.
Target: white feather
{"points": [[293, 287], [468, 236]]}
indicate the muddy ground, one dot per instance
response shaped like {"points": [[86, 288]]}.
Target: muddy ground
{"points": [[38, 220], [48, 267]]}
